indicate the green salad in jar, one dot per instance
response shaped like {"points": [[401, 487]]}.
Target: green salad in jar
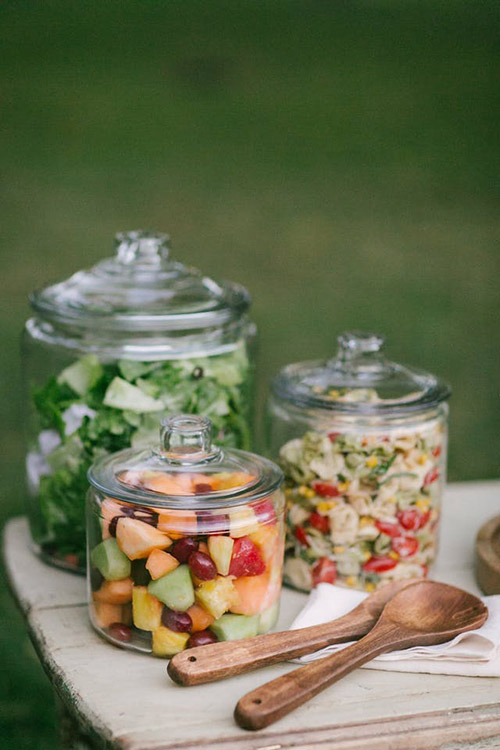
{"points": [[92, 408]]}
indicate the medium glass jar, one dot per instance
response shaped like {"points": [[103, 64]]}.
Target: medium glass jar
{"points": [[109, 350], [362, 442], [185, 542]]}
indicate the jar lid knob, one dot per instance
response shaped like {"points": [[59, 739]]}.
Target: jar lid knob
{"points": [[187, 438], [142, 250], [354, 344]]}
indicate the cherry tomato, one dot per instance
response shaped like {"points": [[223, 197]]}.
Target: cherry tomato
{"points": [[436, 451], [301, 536], [379, 564], [324, 571], [386, 527], [430, 477], [412, 519], [405, 546], [325, 489], [333, 436], [320, 522]]}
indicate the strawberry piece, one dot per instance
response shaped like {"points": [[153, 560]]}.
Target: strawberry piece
{"points": [[246, 560], [324, 571]]}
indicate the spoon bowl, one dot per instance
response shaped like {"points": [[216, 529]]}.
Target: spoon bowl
{"points": [[423, 614]]}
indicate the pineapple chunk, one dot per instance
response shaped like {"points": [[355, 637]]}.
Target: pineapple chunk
{"points": [[167, 642], [146, 609], [242, 522], [217, 596], [220, 549]]}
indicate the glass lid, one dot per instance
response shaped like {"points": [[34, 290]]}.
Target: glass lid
{"points": [[359, 380], [141, 288], [186, 470]]}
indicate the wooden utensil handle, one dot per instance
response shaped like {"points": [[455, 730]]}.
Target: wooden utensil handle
{"points": [[275, 699], [219, 660]]}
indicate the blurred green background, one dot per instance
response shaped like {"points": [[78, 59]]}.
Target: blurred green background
{"points": [[338, 158]]}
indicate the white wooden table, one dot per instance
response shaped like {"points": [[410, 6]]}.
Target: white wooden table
{"points": [[125, 700]]}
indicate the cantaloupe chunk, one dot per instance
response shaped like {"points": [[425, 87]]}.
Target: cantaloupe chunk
{"points": [[115, 592], [106, 614], [178, 523], [256, 593], [167, 642], [109, 509], [160, 563], [146, 609], [167, 484], [137, 539], [266, 538], [200, 617], [230, 480]]}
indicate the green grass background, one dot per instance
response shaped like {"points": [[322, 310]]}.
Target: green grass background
{"points": [[338, 158]]}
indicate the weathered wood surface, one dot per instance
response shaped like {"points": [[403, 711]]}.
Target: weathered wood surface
{"points": [[128, 701]]}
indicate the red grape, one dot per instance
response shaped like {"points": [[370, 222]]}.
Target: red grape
{"points": [[201, 638], [202, 566], [181, 622], [120, 631], [182, 548]]}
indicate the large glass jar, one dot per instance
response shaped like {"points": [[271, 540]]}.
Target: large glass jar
{"points": [[109, 350], [185, 542], [362, 442]]}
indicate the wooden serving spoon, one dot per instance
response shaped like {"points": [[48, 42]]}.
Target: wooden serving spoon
{"points": [[423, 614], [229, 658]]}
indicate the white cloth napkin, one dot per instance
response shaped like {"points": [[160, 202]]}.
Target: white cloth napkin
{"points": [[473, 654]]}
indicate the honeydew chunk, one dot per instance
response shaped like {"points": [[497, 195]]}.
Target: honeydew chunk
{"points": [[174, 589], [231, 627], [110, 561]]}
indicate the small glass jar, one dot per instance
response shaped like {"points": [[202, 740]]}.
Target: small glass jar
{"points": [[362, 442], [109, 350], [185, 543]]}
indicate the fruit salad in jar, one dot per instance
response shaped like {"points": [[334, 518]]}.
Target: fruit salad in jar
{"points": [[193, 557]]}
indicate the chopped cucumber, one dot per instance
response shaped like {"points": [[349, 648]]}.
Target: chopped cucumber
{"points": [[125, 396]]}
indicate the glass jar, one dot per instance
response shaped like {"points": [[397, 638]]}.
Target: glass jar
{"points": [[362, 442], [185, 542], [109, 350]]}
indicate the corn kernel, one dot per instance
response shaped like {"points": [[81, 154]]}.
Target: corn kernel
{"points": [[392, 499], [309, 493], [369, 587], [422, 459], [325, 505], [394, 555], [333, 393], [302, 490], [372, 461], [366, 555], [339, 550], [288, 491], [351, 580], [343, 487], [423, 503], [365, 521]]}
